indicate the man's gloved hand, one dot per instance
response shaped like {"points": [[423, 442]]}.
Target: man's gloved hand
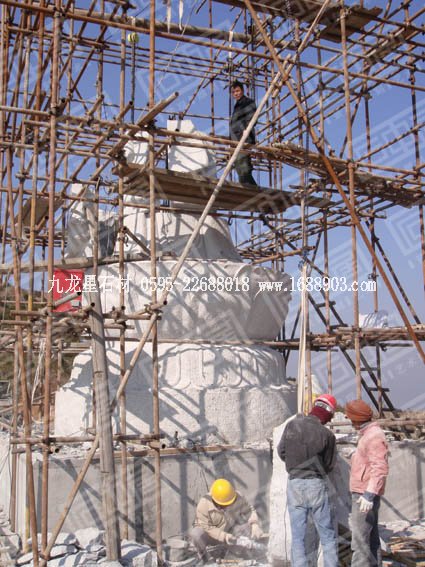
{"points": [[230, 539], [244, 541], [256, 531], [365, 505]]}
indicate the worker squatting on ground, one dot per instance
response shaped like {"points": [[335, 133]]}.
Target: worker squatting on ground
{"points": [[369, 470], [221, 517], [309, 451], [243, 111]]}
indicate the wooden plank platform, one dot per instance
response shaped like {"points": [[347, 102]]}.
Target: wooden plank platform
{"points": [[41, 209], [395, 39], [372, 184], [356, 20], [196, 190], [307, 10]]}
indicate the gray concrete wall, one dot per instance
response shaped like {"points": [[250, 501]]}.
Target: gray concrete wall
{"points": [[185, 478]]}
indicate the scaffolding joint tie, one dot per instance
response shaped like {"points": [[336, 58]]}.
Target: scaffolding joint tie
{"points": [[58, 12], [155, 308]]}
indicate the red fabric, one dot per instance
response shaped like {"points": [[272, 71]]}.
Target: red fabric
{"points": [[322, 414], [67, 282]]}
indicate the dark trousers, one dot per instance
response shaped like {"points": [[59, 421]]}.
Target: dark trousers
{"points": [[365, 541], [243, 166]]}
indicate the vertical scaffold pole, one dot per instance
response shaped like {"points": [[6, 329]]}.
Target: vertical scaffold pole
{"points": [[104, 426], [351, 184], [154, 335], [121, 267]]}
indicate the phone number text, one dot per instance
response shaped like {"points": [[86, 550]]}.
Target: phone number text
{"points": [[195, 284]]}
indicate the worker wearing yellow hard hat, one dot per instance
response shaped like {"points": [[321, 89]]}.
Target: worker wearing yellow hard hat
{"points": [[221, 517], [223, 492]]}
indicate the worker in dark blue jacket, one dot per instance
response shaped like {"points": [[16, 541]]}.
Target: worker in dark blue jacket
{"points": [[243, 111]]}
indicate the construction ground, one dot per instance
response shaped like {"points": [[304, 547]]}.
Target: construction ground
{"points": [[339, 89]]}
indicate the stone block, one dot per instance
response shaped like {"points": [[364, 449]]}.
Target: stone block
{"points": [[134, 554], [24, 559], [89, 537], [60, 550], [79, 559]]}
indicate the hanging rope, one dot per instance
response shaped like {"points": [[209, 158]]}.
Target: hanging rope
{"points": [[38, 370]]}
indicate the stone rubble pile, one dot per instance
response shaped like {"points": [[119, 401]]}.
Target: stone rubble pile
{"points": [[403, 528], [86, 547], [10, 543]]}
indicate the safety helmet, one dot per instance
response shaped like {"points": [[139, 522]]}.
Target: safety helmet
{"points": [[326, 401], [223, 492]]}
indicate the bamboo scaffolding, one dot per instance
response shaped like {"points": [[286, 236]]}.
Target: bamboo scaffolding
{"points": [[335, 179], [60, 141]]}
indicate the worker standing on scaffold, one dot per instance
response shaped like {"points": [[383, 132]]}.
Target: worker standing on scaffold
{"points": [[243, 111]]}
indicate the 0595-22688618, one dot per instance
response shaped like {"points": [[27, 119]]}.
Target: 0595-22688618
{"points": [[196, 284]]}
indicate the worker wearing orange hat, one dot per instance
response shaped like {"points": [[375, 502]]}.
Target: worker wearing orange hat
{"points": [[309, 451], [369, 470], [221, 517]]}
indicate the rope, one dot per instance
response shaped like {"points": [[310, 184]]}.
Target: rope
{"points": [[183, 29], [38, 370]]}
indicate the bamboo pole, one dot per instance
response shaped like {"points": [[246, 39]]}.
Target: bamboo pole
{"points": [[351, 183], [57, 26], [373, 242], [5, 40], [122, 271], [212, 99], [14, 431], [104, 426], [31, 510], [62, 439], [415, 132], [325, 232], [154, 299]]}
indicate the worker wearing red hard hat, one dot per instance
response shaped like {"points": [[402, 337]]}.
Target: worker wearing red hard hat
{"points": [[309, 451]]}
